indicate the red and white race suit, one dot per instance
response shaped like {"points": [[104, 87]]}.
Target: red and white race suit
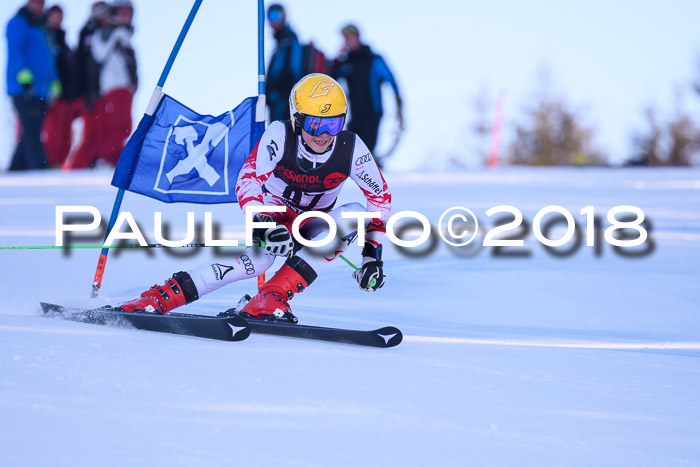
{"points": [[282, 171]]}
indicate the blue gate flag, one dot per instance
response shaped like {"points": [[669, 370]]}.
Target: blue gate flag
{"points": [[179, 156]]}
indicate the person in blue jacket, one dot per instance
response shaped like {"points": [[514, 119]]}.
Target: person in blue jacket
{"points": [[32, 80], [286, 65], [364, 71]]}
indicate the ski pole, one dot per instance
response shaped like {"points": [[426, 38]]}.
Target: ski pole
{"points": [[372, 282], [260, 114], [150, 245]]}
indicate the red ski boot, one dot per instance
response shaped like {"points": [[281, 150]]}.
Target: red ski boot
{"points": [[272, 299], [161, 299]]}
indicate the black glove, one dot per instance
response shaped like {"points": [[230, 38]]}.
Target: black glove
{"points": [[371, 277], [278, 241]]}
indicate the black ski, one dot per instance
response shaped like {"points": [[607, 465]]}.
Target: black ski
{"points": [[384, 337], [228, 326], [225, 328]]}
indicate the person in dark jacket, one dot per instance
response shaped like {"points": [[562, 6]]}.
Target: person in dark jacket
{"points": [[31, 81], [286, 64], [57, 129], [87, 71], [87, 88], [364, 72]]}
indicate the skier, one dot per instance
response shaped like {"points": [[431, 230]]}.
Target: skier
{"points": [[300, 165]]}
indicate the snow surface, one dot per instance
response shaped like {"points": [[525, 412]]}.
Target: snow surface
{"points": [[506, 361]]}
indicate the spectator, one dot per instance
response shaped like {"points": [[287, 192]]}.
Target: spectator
{"points": [[57, 128], [364, 71], [87, 88], [112, 50], [31, 81], [286, 64], [87, 72]]}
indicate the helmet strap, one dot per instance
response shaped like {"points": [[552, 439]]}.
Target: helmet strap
{"points": [[298, 123]]}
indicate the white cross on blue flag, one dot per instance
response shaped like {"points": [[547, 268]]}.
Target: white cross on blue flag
{"points": [[177, 155]]}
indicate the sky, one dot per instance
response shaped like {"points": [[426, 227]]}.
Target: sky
{"points": [[608, 60]]}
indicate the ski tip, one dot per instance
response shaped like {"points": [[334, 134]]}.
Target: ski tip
{"points": [[389, 336], [49, 307]]}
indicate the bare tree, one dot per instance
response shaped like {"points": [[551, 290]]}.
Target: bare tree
{"points": [[648, 144], [553, 133], [684, 142], [674, 142]]}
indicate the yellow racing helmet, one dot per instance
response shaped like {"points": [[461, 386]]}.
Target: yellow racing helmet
{"points": [[317, 105]]}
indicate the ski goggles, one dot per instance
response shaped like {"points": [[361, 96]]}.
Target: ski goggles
{"points": [[318, 125]]}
